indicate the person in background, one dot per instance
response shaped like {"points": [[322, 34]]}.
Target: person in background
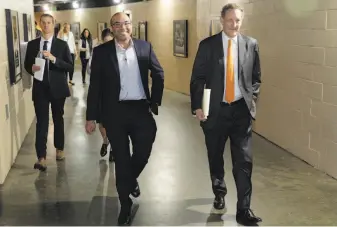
{"points": [[66, 35], [105, 37], [85, 46]]}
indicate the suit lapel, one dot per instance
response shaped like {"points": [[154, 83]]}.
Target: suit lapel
{"points": [[242, 52], [138, 54], [220, 55], [37, 47], [113, 57]]}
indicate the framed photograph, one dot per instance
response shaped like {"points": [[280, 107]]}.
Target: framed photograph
{"points": [[13, 45], [27, 27], [215, 27], [180, 38], [100, 27], [135, 31], [75, 28], [142, 30]]}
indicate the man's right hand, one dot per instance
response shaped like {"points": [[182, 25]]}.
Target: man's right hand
{"points": [[200, 115], [35, 68], [90, 126]]}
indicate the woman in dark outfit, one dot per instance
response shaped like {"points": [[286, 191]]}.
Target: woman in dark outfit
{"points": [[105, 36], [85, 47]]}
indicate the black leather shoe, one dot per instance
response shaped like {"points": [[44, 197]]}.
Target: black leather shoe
{"points": [[136, 192], [247, 217], [104, 149], [219, 202], [111, 157], [124, 217]]}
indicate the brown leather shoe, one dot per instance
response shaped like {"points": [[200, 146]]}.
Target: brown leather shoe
{"points": [[60, 155]]}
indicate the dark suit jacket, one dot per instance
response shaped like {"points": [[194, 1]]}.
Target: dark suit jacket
{"points": [[208, 70], [57, 72], [105, 85]]}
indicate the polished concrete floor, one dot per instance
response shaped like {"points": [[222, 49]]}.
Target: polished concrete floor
{"points": [[175, 185]]}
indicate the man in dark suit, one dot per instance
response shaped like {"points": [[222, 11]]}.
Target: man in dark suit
{"points": [[53, 89], [119, 81], [228, 64]]}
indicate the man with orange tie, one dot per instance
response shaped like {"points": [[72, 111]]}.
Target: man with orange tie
{"points": [[228, 64]]}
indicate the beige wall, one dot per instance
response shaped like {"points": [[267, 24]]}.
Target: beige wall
{"points": [[298, 45], [88, 18], [14, 129], [160, 15]]}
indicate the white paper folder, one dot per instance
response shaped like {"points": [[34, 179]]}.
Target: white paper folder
{"points": [[206, 101], [39, 74]]}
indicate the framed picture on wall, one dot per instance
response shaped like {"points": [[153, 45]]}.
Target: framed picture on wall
{"points": [[142, 30], [215, 26], [135, 31], [13, 45], [76, 30], [180, 38], [100, 27], [27, 27]]}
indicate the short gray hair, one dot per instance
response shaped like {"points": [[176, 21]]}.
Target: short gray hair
{"points": [[230, 6]]}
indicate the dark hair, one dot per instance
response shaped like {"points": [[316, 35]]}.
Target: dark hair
{"points": [[106, 32], [230, 6], [47, 15], [82, 34]]}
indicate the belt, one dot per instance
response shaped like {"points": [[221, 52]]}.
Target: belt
{"points": [[233, 103], [140, 101]]}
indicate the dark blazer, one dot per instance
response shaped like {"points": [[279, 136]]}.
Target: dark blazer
{"points": [[57, 72], [208, 70], [105, 79]]}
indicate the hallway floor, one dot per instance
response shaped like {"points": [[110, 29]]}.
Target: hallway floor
{"points": [[175, 185]]}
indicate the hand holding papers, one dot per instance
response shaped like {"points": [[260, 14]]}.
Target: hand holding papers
{"points": [[206, 102], [41, 63]]}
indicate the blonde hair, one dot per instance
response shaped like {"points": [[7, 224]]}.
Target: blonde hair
{"points": [[62, 31]]}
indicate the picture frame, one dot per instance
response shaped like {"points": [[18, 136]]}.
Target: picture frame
{"points": [[75, 28], [27, 27], [180, 38], [135, 33], [100, 27], [215, 26], [13, 46], [142, 30]]}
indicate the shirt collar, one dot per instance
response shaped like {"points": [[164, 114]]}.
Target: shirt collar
{"points": [[49, 40], [226, 38], [120, 48]]}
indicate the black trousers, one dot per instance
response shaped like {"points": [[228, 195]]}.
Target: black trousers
{"points": [[41, 105], [71, 72], [234, 122], [137, 124], [84, 63]]}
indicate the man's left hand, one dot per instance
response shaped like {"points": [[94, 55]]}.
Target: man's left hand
{"points": [[48, 55], [154, 108]]}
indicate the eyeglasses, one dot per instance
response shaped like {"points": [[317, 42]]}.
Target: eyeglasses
{"points": [[120, 24]]}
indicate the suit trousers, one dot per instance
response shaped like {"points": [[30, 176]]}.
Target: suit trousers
{"points": [[135, 123], [41, 105], [234, 122]]}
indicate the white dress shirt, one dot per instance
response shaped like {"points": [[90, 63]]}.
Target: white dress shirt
{"points": [[50, 41], [235, 54], [131, 82]]}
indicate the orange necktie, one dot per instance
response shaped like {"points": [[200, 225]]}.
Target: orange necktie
{"points": [[229, 97]]}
